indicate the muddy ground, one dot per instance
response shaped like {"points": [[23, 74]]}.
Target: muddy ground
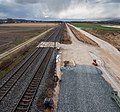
{"points": [[113, 37]]}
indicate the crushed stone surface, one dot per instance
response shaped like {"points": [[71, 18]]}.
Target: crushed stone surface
{"points": [[83, 89]]}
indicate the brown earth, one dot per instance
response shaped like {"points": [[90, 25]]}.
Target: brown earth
{"points": [[31, 24], [112, 37], [66, 38], [81, 37], [14, 34], [9, 62], [10, 40]]}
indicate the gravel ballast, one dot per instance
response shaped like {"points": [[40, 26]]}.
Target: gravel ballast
{"points": [[83, 89]]}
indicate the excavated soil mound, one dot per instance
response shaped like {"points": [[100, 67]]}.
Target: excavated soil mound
{"points": [[66, 38], [113, 37]]}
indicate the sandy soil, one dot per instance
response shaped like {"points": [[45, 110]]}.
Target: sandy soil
{"points": [[112, 37], [76, 52], [109, 53]]}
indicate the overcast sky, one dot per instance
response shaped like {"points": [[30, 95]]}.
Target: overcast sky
{"points": [[60, 9]]}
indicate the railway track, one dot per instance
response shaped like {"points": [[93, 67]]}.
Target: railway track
{"points": [[57, 36], [41, 54], [17, 74], [28, 95]]}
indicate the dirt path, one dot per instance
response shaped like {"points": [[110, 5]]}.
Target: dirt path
{"points": [[77, 52], [81, 83], [104, 45], [110, 56]]}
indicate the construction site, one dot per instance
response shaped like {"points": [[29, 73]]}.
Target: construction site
{"points": [[77, 67]]}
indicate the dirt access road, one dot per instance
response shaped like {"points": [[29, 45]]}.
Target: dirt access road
{"points": [[110, 57], [81, 81]]}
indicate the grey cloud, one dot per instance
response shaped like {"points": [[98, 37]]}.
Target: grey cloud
{"points": [[103, 1], [57, 5], [49, 6], [60, 8], [112, 1], [52, 5], [16, 11], [27, 1]]}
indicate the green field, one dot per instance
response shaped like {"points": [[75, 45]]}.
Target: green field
{"points": [[94, 26], [114, 24]]}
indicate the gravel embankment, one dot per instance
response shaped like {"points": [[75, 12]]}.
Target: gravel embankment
{"points": [[39, 97], [83, 89]]}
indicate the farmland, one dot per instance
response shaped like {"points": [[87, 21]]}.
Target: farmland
{"points": [[109, 34], [38, 67], [14, 34], [95, 26]]}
